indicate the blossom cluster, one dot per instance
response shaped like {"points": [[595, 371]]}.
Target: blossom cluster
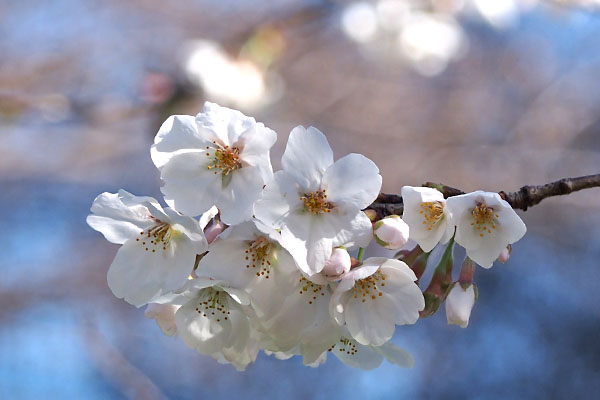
{"points": [[244, 258]]}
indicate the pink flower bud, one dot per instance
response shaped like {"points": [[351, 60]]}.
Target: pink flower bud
{"points": [[338, 263], [459, 304], [391, 232], [164, 314], [504, 255], [213, 231]]}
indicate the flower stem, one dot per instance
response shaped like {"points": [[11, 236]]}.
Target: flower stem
{"points": [[361, 252]]}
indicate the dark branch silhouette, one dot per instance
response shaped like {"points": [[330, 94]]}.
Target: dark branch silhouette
{"points": [[527, 196]]}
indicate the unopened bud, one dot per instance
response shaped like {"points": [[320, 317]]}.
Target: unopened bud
{"points": [[214, 230], [338, 263], [391, 232], [504, 254], [164, 314], [371, 214], [459, 304]]}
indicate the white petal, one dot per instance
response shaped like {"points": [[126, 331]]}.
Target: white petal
{"points": [[237, 198], [356, 355], [396, 355], [189, 227], [139, 276], [279, 198], [372, 322], [487, 252], [222, 123], [307, 156], [134, 274], [237, 295], [513, 226], [190, 187], [116, 221], [226, 261], [256, 144], [307, 242], [352, 182], [207, 216], [405, 294], [178, 133]]}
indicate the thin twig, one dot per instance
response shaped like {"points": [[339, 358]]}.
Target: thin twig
{"points": [[527, 196]]}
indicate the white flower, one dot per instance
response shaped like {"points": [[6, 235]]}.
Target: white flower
{"points": [[164, 314], [338, 264], [159, 246], [391, 232], [317, 203], [220, 158], [251, 259], [373, 298], [426, 214], [302, 316], [338, 342], [459, 304], [356, 355], [213, 320], [485, 225]]}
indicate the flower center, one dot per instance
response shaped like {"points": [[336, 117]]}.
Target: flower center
{"points": [[369, 287], [316, 202], [432, 212], [484, 218], [312, 290], [224, 158], [212, 304], [259, 256], [158, 236], [345, 346]]}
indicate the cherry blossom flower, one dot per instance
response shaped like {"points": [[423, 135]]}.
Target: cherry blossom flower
{"points": [[302, 316], [220, 158], [317, 203], [391, 232], [372, 298], [159, 245], [356, 355], [252, 259], [485, 225], [213, 321], [459, 304], [337, 341], [426, 214]]}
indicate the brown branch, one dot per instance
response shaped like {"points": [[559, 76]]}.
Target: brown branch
{"points": [[527, 196]]}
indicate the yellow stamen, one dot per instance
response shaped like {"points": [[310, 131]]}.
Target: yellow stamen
{"points": [[432, 212], [316, 202], [485, 219], [224, 158]]}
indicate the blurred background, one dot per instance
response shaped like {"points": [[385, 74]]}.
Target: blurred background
{"points": [[477, 94]]}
